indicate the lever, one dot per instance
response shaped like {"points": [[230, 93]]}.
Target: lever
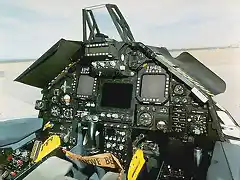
{"points": [[91, 145], [197, 156]]}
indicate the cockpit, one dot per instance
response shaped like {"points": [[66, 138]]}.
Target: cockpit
{"points": [[103, 95]]}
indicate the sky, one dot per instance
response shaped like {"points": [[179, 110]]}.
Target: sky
{"points": [[28, 28]]}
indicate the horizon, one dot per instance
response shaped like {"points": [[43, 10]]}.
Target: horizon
{"points": [[170, 50], [30, 27]]}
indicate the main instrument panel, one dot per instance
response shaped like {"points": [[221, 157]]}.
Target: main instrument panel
{"points": [[121, 93]]}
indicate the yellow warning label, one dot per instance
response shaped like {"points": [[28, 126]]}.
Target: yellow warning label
{"points": [[52, 143], [47, 125], [136, 165], [103, 160]]}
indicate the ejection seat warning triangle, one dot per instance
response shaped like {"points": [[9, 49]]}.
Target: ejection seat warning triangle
{"points": [[103, 160]]}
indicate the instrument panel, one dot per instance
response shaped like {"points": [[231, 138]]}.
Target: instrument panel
{"points": [[124, 93]]}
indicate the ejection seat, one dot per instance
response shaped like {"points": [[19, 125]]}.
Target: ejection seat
{"points": [[61, 171], [63, 168], [12, 131]]}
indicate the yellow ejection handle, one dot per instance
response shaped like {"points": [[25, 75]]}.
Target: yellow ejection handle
{"points": [[136, 165]]}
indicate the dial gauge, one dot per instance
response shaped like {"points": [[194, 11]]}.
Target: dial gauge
{"points": [[55, 111], [145, 119], [67, 113], [54, 99], [178, 89]]}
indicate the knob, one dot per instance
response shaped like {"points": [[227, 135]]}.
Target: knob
{"points": [[122, 68], [89, 118], [61, 127], [40, 105], [9, 158], [19, 162], [121, 147], [108, 145], [114, 145], [13, 174], [102, 64], [54, 99], [66, 137], [17, 152], [95, 118], [197, 131], [142, 108], [67, 99], [112, 63], [113, 115], [94, 64], [161, 125]]}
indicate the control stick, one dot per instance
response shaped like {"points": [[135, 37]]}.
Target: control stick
{"points": [[91, 145]]}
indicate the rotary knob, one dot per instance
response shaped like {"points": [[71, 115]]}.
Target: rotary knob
{"points": [[95, 118], [161, 125], [121, 147], [94, 64], [112, 63], [123, 133], [115, 116], [114, 145], [39, 105], [108, 145], [102, 114], [102, 64]]}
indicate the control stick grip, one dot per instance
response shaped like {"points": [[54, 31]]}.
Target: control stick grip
{"points": [[91, 146]]}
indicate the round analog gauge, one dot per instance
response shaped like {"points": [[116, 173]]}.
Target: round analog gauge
{"points": [[39, 105], [55, 111], [67, 113], [145, 119], [54, 99], [178, 89]]}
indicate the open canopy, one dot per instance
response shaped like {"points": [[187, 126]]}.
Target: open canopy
{"points": [[50, 64]]}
